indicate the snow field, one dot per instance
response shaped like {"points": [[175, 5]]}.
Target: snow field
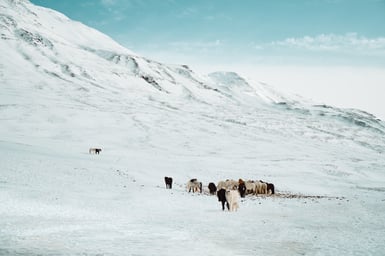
{"points": [[70, 203], [65, 87]]}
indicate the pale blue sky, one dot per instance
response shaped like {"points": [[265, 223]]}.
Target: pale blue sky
{"points": [[250, 31], [332, 51]]}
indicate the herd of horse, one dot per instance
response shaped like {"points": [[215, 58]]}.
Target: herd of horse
{"points": [[228, 191]]}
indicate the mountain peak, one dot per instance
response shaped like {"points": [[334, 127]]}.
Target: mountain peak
{"points": [[16, 15]]}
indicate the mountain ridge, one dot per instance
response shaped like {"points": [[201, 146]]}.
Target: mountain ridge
{"points": [[57, 55]]}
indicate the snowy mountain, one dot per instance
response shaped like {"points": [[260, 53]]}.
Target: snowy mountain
{"points": [[65, 87]]}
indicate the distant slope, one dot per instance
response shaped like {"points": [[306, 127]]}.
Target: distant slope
{"points": [[56, 72]]}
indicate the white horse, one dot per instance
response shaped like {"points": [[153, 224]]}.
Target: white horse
{"points": [[194, 185], [232, 198], [261, 187], [250, 187]]}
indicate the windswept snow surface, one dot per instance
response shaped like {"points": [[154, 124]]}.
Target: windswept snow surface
{"points": [[66, 87]]}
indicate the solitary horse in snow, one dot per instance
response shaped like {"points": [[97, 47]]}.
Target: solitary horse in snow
{"points": [[95, 150]]}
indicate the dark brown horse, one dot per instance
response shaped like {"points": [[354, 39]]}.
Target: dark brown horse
{"points": [[242, 189]]}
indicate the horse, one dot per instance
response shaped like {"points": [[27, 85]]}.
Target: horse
{"points": [[242, 189], [232, 197], [221, 194], [95, 150], [168, 181], [262, 187], [250, 187], [194, 185], [269, 188], [212, 188]]}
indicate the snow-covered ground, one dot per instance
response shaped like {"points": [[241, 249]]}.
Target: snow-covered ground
{"points": [[65, 88], [57, 201]]}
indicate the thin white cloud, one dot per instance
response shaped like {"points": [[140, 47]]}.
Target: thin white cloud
{"points": [[333, 43]]}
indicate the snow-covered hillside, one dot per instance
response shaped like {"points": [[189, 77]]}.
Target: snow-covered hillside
{"points": [[65, 87]]}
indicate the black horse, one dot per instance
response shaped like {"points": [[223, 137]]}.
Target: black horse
{"points": [[168, 181], [270, 186], [222, 198], [212, 188]]}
